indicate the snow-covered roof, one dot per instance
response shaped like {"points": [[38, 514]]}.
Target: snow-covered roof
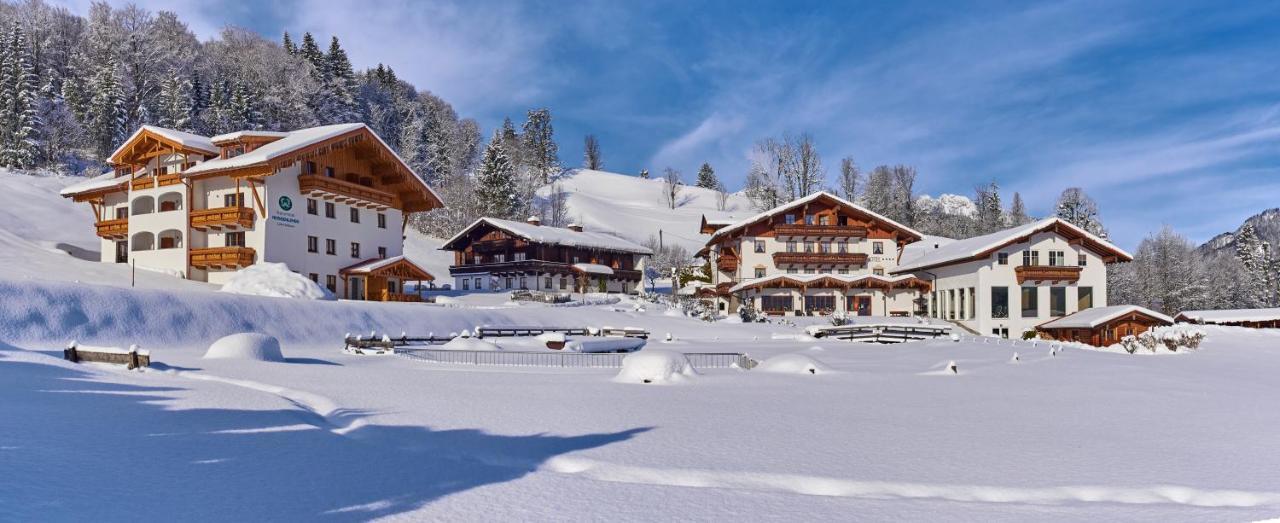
{"points": [[594, 268], [554, 236], [371, 266], [185, 139], [231, 137], [1090, 318], [293, 141], [1231, 315], [809, 278], [799, 202], [964, 250], [102, 181]]}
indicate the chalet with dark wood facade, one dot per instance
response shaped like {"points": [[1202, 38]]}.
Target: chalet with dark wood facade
{"points": [[1103, 326], [494, 254]]}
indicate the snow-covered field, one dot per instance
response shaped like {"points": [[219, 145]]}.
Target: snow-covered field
{"points": [[874, 433]]}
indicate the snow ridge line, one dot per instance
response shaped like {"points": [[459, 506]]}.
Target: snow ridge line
{"points": [[336, 419], [825, 486]]}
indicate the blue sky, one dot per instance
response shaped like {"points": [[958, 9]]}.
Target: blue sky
{"points": [[1165, 112]]}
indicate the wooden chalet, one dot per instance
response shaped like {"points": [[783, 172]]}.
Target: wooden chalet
{"points": [[1103, 326]]}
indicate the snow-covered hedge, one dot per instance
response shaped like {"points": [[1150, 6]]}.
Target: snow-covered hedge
{"points": [[1174, 337]]}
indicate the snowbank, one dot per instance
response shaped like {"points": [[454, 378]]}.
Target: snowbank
{"points": [[275, 280], [592, 344], [793, 363], [655, 366], [246, 346], [469, 343]]}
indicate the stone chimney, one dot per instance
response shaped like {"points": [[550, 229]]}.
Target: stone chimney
{"points": [[534, 220], [575, 227]]}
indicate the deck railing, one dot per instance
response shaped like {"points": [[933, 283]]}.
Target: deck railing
{"points": [[215, 257], [219, 217], [343, 190], [117, 228], [147, 182], [818, 231], [835, 258], [1047, 273]]}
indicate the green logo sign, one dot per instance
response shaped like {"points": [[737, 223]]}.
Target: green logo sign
{"points": [[285, 203]]}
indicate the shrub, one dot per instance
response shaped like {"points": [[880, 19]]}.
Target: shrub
{"points": [[1130, 344], [1029, 334]]}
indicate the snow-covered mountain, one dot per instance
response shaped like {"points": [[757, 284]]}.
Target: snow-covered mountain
{"points": [[951, 204], [1265, 223]]}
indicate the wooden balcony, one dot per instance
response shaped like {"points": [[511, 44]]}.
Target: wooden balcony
{"points": [[516, 268], [220, 217], [147, 182], [1040, 273], [819, 258], [820, 231], [113, 229], [727, 263], [222, 257], [344, 192]]}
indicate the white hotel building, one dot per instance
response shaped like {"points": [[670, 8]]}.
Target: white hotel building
{"points": [[329, 201]]}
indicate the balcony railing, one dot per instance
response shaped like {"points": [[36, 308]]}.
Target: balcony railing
{"points": [[1051, 273], [532, 266], [817, 231], [118, 228], [220, 217], [727, 263], [219, 257], [147, 182], [828, 258], [344, 191]]}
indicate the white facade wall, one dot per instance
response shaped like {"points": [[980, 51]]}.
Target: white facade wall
{"points": [[112, 205], [147, 222], [984, 275]]}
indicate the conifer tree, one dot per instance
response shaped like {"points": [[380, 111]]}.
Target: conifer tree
{"points": [[1018, 212], [644, 174], [496, 181], [340, 82], [539, 146], [707, 177], [1079, 209], [106, 110], [19, 93], [288, 44]]}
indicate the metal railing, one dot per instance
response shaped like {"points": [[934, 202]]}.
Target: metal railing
{"points": [[585, 360]]}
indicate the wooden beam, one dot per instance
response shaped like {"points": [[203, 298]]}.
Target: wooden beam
{"points": [[256, 198]]}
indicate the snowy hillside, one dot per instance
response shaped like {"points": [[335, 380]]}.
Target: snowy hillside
{"points": [[633, 208]]}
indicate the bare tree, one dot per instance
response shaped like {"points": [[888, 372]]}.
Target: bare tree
{"points": [[671, 186], [555, 210], [850, 179], [805, 173], [722, 196], [591, 153]]}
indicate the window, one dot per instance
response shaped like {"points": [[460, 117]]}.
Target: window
{"points": [[519, 256], [791, 246], [759, 272], [330, 247], [122, 213], [355, 249], [808, 246], [355, 215], [843, 246], [1002, 332], [331, 283], [1002, 258], [313, 207], [1057, 259], [547, 283], [233, 200], [1030, 305], [309, 168], [382, 221], [775, 303], [790, 219], [466, 284], [233, 239], [877, 247], [564, 283], [820, 303], [842, 271], [808, 219], [822, 220], [999, 302], [824, 270], [1057, 301], [328, 171], [793, 270], [314, 277], [478, 287], [523, 285], [809, 270], [382, 252], [825, 247], [509, 280], [759, 245], [1084, 298], [1082, 260], [1030, 258], [877, 271], [313, 244], [330, 210], [502, 257]]}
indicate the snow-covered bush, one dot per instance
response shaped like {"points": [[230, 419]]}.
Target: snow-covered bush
{"points": [[838, 319], [1148, 341], [275, 280], [655, 366], [1179, 336], [747, 312], [1130, 344], [793, 363], [246, 346]]}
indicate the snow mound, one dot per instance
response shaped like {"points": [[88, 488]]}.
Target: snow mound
{"points": [[275, 280], [246, 346], [793, 363], [469, 343], [447, 300], [655, 366]]}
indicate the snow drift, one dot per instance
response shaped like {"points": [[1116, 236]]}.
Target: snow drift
{"points": [[793, 363], [275, 280], [655, 366], [246, 346]]}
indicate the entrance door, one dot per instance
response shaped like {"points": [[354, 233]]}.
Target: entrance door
{"points": [[122, 251], [357, 289], [860, 305]]}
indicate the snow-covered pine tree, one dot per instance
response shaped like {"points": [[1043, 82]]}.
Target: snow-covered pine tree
{"points": [[850, 179], [496, 181], [174, 110], [340, 106], [512, 143], [244, 108], [591, 158], [19, 93], [644, 174], [1018, 212], [1250, 253], [311, 53], [106, 110], [707, 177], [287, 43], [539, 146], [1169, 275], [59, 131], [878, 194], [1076, 207], [990, 211]]}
